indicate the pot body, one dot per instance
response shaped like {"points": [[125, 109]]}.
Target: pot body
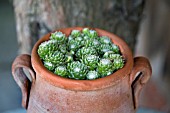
{"points": [[45, 97], [45, 92]]}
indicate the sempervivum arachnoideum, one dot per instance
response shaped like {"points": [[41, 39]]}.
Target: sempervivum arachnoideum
{"points": [[118, 63], [111, 55], [68, 58], [115, 48], [117, 59], [74, 45], [105, 67], [56, 58], [50, 66], [46, 48], [89, 33], [91, 61], [59, 37], [77, 70], [92, 75], [61, 70], [86, 51], [92, 43], [104, 48], [63, 48], [82, 55], [105, 40], [75, 33]]}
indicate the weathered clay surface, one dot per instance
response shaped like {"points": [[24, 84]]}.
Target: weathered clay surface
{"points": [[49, 93]]}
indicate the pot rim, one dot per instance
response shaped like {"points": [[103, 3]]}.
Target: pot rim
{"points": [[72, 84]]}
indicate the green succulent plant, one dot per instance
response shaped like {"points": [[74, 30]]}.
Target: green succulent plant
{"points": [[82, 55], [93, 34], [50, 66], [91, 43], [118, 63], [86, 51], [68, 58], [92, 75], [46, 48], [89, 33], [70, 38], [86, 31], [75, 33], [105, 40], [91, 61], [59, 37], [63, 48], [77, 70], [105, 67], [115, 48], [56, 58], [80, 41], [104, 48], [74, 45], [112, 55], [61, 70]]}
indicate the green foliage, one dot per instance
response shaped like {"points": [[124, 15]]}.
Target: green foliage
{"points": [[75, 33], [61, 71], [104, 48], [105, 40], [74, 45], [50, 66], [86, 51], [77, 70], [92, 75], [91, 61], [115, 48], [118, 63], [82, 55], [59, 37], [56, 58], [105, 67], [46, 48]]}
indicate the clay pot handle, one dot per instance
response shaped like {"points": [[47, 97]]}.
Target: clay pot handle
{"points": [[24, 82], [140, 75]]}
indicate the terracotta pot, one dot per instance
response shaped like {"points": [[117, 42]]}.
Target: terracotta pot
{"points": [[45, 92]]}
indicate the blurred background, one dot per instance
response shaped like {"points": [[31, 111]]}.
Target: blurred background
{"points": [[144, 25]]}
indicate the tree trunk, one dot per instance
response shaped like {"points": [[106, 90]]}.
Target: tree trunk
{"points": [[34, 18]]}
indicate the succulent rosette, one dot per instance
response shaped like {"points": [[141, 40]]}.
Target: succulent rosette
{"points": [[83, 55], [46, 48], [68, 58], [75, 33], [63, 48], [118, 63], [77, 70], [104, 48], [105, 67], [86, 51], [91, 43], [50, 66], [91, 61], [112, 55], [86, 31], [56, 58], [59, 37], [92, 75], [105, 40], [115, 48], [61, 71], [74, 45]]}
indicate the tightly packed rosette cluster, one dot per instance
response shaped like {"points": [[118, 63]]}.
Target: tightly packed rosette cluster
{"points": [[83, 55]]}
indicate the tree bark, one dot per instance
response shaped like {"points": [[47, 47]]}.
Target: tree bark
{"points": [[34, 18]]}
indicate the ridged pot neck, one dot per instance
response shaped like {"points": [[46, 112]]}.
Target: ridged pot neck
{"points": [[83, 85]]}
